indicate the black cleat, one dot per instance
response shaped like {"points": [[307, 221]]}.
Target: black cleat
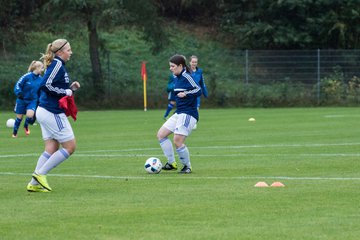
{"points": [[185, 170], [170, 166]]}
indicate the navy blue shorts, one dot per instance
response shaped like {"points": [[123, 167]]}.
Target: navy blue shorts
{"points": [[23, 105]]}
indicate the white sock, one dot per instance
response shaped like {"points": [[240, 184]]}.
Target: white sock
{"points": [[58, 157], [41, 161], [168, 150], [184, 155]]}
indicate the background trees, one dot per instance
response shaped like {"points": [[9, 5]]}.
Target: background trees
{"points": [[104, 15], [100, 31], [266, 24], [301, 24]]}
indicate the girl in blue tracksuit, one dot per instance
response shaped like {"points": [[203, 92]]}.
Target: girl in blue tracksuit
{"points": [[186, 115], [55, 127], [197, 74], [26, 91]]}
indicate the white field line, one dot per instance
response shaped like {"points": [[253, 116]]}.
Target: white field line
{"points": [[234, 147], [93, 153], [200, 155], [192, 177]]}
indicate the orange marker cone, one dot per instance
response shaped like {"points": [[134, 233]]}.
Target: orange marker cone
{"points": [[261, 184], [277, 184]]}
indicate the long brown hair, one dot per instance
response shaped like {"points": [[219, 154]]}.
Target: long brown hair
{"points": [[180, 59]]}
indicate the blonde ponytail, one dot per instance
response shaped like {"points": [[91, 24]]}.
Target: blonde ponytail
{"points": [[51, 50]]}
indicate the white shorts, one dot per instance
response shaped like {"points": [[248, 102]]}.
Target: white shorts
{"points": [[181, 124], [54, 126]]}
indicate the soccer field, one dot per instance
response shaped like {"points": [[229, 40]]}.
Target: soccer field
{"points": [[103, 191]]}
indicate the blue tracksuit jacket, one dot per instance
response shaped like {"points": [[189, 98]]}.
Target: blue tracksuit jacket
{"points": [[198, 77], [27, 86]]}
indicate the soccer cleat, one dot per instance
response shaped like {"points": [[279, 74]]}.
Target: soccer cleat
{"points": [[185, 170], [36, 188], [42, 180], [27, 131], [14, 135], [170, 166]]}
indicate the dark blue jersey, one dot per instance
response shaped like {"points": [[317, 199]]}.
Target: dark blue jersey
{"points": [[53, 86], [27, 86], [188, 104]]}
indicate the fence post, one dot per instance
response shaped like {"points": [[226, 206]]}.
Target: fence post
{"points": [[108, 74], [318, 76], [246, 67]]}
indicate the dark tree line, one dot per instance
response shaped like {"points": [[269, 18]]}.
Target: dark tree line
{"points": [[18, 16], [249, 24], [275, 24]]}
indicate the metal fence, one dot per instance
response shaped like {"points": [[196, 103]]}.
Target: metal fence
{"points": [[307, 66], [234, 78], [257, 77], [323, 74]]}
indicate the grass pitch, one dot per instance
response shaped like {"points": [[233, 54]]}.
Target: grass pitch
{"points": [[103, 192]]}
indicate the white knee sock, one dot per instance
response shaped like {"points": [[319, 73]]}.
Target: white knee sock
{"points": [[168, 150], [58, 157], [184, 155], [41, 161]]}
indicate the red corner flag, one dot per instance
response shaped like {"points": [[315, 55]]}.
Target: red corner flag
{"points": [[144, 78], [143, 71]]}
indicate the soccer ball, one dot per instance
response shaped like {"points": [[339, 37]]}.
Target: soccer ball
{"points": [[10, 123], [153, 165]]}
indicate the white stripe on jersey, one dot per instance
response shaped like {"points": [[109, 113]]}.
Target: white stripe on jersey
{"points": [[51, 78], [179, 89], [192, 82]]}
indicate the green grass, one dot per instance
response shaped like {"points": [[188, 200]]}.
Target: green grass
{"points": [[103, 192]]}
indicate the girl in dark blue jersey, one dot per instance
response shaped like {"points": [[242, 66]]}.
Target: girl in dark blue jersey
{"points": [[55, 127], [26, 91], [186, 115]]}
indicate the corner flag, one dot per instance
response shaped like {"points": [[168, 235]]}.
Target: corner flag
{"points": [[144, 78]]}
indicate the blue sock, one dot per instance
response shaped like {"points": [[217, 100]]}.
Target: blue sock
{"points": [[17, 125], [26, 123], [168, 110], [30, 120]]}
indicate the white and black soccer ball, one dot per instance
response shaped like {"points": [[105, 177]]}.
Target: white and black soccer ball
{"points": [[153, 165], [10, 123]]}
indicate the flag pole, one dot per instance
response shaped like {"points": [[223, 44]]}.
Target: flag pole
{"points": [[144, 78]]}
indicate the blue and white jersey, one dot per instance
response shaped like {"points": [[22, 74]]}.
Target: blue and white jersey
{"points": [[198, 77], [53, 86], [188, 105], [27, 86]]}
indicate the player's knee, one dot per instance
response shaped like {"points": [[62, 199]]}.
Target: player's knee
{"points": [[71, 149], [178, 141]]}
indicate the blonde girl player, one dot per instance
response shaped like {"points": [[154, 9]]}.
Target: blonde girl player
{"points": [[55, 127], [186, 116], [26, 91], [197, 74]]}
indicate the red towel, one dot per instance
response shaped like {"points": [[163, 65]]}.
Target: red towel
{"points": [[68, 104]]}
